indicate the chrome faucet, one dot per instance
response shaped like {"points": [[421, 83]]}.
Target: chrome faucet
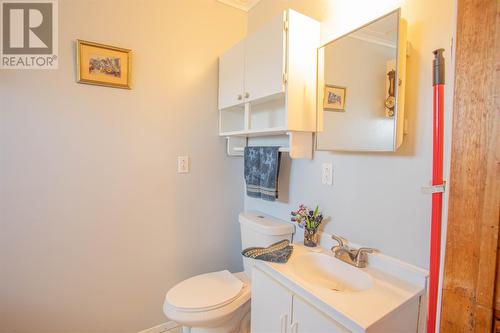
{"points": [[355, 257]]}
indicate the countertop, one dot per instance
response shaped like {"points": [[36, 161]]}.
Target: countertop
{"points": [[357, 310]]}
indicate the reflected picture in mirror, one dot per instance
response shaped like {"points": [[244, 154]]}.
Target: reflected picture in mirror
{"points": [[334, 98], [368, 63]]}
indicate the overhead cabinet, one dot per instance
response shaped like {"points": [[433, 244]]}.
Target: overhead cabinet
{"points": [[265, 57], [232, 76], [267, 82], [255, 67]]}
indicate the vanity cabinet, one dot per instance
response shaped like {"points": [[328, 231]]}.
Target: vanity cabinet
{"points": [[275, 309], [271, 306], [284, 308], [307, 319], [267, 83]]}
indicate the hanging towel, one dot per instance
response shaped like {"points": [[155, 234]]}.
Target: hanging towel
{"points": [[261, 172], [278, 252]]}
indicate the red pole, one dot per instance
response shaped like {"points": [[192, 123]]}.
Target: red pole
{"points": [[437, 180]]}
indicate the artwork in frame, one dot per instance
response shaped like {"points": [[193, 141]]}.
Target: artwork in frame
{"points": [[334, 98], [102, 65]]}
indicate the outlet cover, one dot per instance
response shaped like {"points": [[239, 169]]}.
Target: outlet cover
{"points": [[327, 174]]}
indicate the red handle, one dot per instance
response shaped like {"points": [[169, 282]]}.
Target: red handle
{"points": [[437, 179]]}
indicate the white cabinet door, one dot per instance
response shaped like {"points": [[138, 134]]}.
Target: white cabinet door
{"points": [[265, 60], [307, 319], [232, 76], [271, 305]]}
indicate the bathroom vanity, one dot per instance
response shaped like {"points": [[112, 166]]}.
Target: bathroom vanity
{"points": [[316, 293]]}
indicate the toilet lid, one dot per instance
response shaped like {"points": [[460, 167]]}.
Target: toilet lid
{"points": [[205, 291]]}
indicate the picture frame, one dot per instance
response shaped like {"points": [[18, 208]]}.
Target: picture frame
{"points": [[103, 65], [334, 98]]}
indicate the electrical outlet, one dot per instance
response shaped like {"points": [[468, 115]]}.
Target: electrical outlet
{"points": [[327, 174], [182, 164]]}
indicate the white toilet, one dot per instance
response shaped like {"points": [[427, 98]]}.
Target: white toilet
{"points": [[219, 302]]}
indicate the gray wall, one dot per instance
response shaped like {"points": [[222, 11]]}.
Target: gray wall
{"points": [[95, 223], [376, 199]]}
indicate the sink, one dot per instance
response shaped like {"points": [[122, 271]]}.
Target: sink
{"points": [[327, 272]]}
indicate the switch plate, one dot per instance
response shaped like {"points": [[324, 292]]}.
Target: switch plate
{"points": [[327, 174], [182, 164]]}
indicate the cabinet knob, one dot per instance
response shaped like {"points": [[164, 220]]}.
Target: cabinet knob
{"points": [[240, 97], [247, 95]]}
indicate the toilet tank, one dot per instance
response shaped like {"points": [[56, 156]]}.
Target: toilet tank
{"points": [[261, 230]]}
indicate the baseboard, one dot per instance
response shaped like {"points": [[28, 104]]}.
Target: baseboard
{"points": [[161, 328]]}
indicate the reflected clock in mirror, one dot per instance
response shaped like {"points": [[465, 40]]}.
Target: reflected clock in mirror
{"points": [[368, 63]]}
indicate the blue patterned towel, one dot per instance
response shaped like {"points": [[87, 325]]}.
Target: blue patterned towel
{"points": [[262, 166]]}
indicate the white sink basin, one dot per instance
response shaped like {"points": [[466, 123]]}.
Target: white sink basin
{"points": [[329, 273]]}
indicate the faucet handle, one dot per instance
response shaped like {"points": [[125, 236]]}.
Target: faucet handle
{"points": [[361, 258], [342, 241], [367, 250]]}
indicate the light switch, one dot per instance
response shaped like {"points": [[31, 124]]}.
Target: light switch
{"points": [[327, 174], [182, 164]]}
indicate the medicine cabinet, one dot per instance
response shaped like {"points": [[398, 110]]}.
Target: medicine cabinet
{"points": [[361, 88]]}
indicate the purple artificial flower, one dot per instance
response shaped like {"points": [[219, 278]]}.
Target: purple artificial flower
{"points": [[307, 218]]}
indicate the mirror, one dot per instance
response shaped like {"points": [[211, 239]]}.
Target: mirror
{"points": [[361, 79]]}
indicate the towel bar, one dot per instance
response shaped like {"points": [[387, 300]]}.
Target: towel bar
{"points": [[282, 149]]}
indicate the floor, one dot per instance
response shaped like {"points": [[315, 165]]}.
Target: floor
{"points": [[175, 330]]}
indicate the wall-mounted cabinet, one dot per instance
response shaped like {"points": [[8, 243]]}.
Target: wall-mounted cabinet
{"points": [[232, 77], [361, 88], [267, 82]]}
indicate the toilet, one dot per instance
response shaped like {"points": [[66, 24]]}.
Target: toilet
{"points": [[219, 302]]}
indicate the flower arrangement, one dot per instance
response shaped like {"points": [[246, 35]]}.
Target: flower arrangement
{"points": [[305, 218], [309, 220]]}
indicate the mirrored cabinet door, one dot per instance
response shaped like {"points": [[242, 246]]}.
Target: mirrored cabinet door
{"points": [[361, 88]]}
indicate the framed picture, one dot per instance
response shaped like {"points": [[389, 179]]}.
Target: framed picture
{"points": [[334, 98], [102, 65]]}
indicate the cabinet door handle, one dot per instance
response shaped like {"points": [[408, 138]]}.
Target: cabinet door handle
{"points": [[247, 95], [283, 323], [240, 97], [294, 327]]}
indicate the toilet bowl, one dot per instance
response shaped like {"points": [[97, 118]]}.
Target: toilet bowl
{"points": [[219, 302]]}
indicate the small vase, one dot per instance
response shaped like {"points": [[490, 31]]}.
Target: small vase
{"points": [[310, 237]]}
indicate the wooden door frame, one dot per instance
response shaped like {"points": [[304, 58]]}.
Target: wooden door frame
{"points": [[473, 215]]}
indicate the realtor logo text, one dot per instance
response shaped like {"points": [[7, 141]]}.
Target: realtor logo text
{"points": [[29, 34]]}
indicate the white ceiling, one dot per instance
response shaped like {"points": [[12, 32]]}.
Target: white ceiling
{"points": [[383, 31], [244, 5]]}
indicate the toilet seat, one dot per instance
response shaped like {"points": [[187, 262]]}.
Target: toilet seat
{"points": [[205, 292], [214, 314]]}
